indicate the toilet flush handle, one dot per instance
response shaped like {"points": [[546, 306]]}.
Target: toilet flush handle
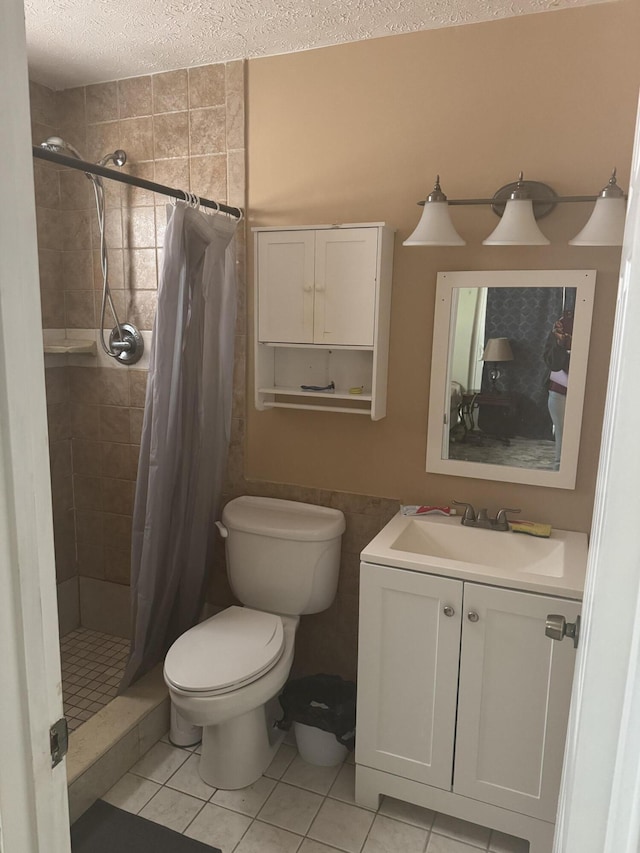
{"points": [[223, 530]]}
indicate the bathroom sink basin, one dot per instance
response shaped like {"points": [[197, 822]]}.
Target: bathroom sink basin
{"points": [[502, 550], [443, 546]]}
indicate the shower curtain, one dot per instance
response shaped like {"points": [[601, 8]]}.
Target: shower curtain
{"points": [[185, 434]]}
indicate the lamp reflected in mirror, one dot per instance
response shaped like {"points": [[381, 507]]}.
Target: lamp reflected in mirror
{"points": [[497, 351]]}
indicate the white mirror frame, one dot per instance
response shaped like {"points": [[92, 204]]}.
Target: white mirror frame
{"points": [[439, 397]]}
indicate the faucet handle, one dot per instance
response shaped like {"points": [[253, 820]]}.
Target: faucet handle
{"points": [[501, 517], [469, 512]]}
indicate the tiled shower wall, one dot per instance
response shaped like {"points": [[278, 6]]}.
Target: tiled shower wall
{"points": [[185, 129]]}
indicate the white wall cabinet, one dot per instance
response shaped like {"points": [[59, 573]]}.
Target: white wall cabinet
{"points": [[462, 700], [322, 315]]}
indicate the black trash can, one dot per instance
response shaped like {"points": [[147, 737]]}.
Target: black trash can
{"points": [[322, 710]]}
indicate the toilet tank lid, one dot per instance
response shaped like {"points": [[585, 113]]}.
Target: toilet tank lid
{"points": [[283, 519]]}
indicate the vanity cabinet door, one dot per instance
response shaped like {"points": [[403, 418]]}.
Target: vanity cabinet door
{"points": [[408, 652], [514, 695]]}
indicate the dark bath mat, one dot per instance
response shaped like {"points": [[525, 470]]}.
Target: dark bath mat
{"points": [[106, 829]]}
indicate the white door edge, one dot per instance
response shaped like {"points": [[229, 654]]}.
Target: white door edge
{"points": [[599, 809], [33, 797]]}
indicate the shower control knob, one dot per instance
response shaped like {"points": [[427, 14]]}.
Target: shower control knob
{"points": [[472, 616], [448, 611]]}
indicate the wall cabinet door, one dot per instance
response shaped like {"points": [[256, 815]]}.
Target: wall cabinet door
{"points": [[513, 702], [318, 286], [407, 673], [345, 286], [285, 277]]}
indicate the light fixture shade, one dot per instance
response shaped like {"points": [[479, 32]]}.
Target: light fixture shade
{"points": [[517, 227], [605, 226], [435, 227], [498, 349]]}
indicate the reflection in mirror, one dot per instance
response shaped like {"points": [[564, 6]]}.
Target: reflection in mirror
{"points": [[510, 354], [505, 344]]}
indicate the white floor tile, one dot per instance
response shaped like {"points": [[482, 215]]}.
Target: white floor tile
{"points": [[344, 786], [442, 844], [218, 827], [310, 846], [188, 780], [172, 809], [390, 836], [408, 812], [131, 793], [291, 808], [462, 830], [283, 758], [501, 843], [310, 776], [249, 800], [262, 838], [160, 762], [341, 825]]}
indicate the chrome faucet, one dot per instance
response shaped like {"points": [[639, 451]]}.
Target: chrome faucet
{"points": [[481, 518]]}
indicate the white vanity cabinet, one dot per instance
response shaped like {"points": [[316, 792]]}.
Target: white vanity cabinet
{"points": [[322, 315], [462, 700]]}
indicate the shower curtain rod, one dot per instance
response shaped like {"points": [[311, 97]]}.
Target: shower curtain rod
{"points": [[112, 175]]}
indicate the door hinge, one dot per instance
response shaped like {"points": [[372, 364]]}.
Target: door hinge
{"points": [[59, 741]]}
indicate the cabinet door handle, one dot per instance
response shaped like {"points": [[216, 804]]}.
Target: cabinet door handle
{"points": [[308, 288], [472, 616], [448, 611]]}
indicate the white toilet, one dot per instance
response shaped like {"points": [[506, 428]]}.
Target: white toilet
{"points": [[225, 674]]}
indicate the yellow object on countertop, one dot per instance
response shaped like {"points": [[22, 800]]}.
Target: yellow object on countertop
{"points": [[533, 528]]}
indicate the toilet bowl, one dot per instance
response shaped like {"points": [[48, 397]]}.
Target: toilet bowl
{"points": [[225, 673]]}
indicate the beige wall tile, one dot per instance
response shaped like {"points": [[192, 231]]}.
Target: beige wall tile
{"points": [[117, 497], [47, 185], [86, 456], [117, 565], [134, 97], [141, 272], [77, 271], [135, 196], [170, 91], [115, 269], [142, 308], [235, 121], [87, 493], [117, 531], [50, 267], [76, 134], [68, 606], [49, 229], [235, 77], [89, 528], [58, 421], [70, 107], [76, 191], [139, 227], [79, 310], [102, 138], [112, 229], [57, 385], [90, 560], [236, 179], [115, 422], [171, 173], [102, 102], [137, 387], [171, 135], [115, 460], [42, 103], [206, 86], [75, 230], [120, 300], [136, 137], [136, 417], [113, 386], [207, 131], [83, 387], [209, 176], [105, 607], [85, 419]]}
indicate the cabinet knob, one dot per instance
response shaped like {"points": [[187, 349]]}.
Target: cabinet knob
{"points": [[472, 616], [448, 611]]}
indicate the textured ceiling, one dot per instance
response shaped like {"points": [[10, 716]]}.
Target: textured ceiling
{"points": [[76, 42]]}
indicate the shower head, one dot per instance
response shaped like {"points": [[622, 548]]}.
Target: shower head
{"points": [[118, 157], [56, 143]]}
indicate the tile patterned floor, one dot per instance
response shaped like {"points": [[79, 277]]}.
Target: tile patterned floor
{"points": [[294, 808], [92, 666]]}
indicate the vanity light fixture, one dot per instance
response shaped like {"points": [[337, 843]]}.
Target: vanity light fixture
{"points": [[520, 204]]}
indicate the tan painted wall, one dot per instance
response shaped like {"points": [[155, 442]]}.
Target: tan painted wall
{"points": [[356, 133]]}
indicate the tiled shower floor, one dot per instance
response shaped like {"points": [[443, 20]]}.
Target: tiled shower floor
{"points": [[92, 666]]}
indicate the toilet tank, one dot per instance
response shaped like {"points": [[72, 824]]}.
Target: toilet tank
{"points": [[282, 556]]}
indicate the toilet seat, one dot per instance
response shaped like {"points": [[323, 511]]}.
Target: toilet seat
{"points": [[226, 652]]}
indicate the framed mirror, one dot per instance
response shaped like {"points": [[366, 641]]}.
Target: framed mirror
{"points": [[508, 373]]}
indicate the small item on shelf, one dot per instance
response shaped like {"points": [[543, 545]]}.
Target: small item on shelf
{"points": [[427, 510], [327, 388], [357, 389], [532, 528]]}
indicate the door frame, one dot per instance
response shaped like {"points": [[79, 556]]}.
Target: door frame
{"points": [[599, 808], [34, 813]]}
